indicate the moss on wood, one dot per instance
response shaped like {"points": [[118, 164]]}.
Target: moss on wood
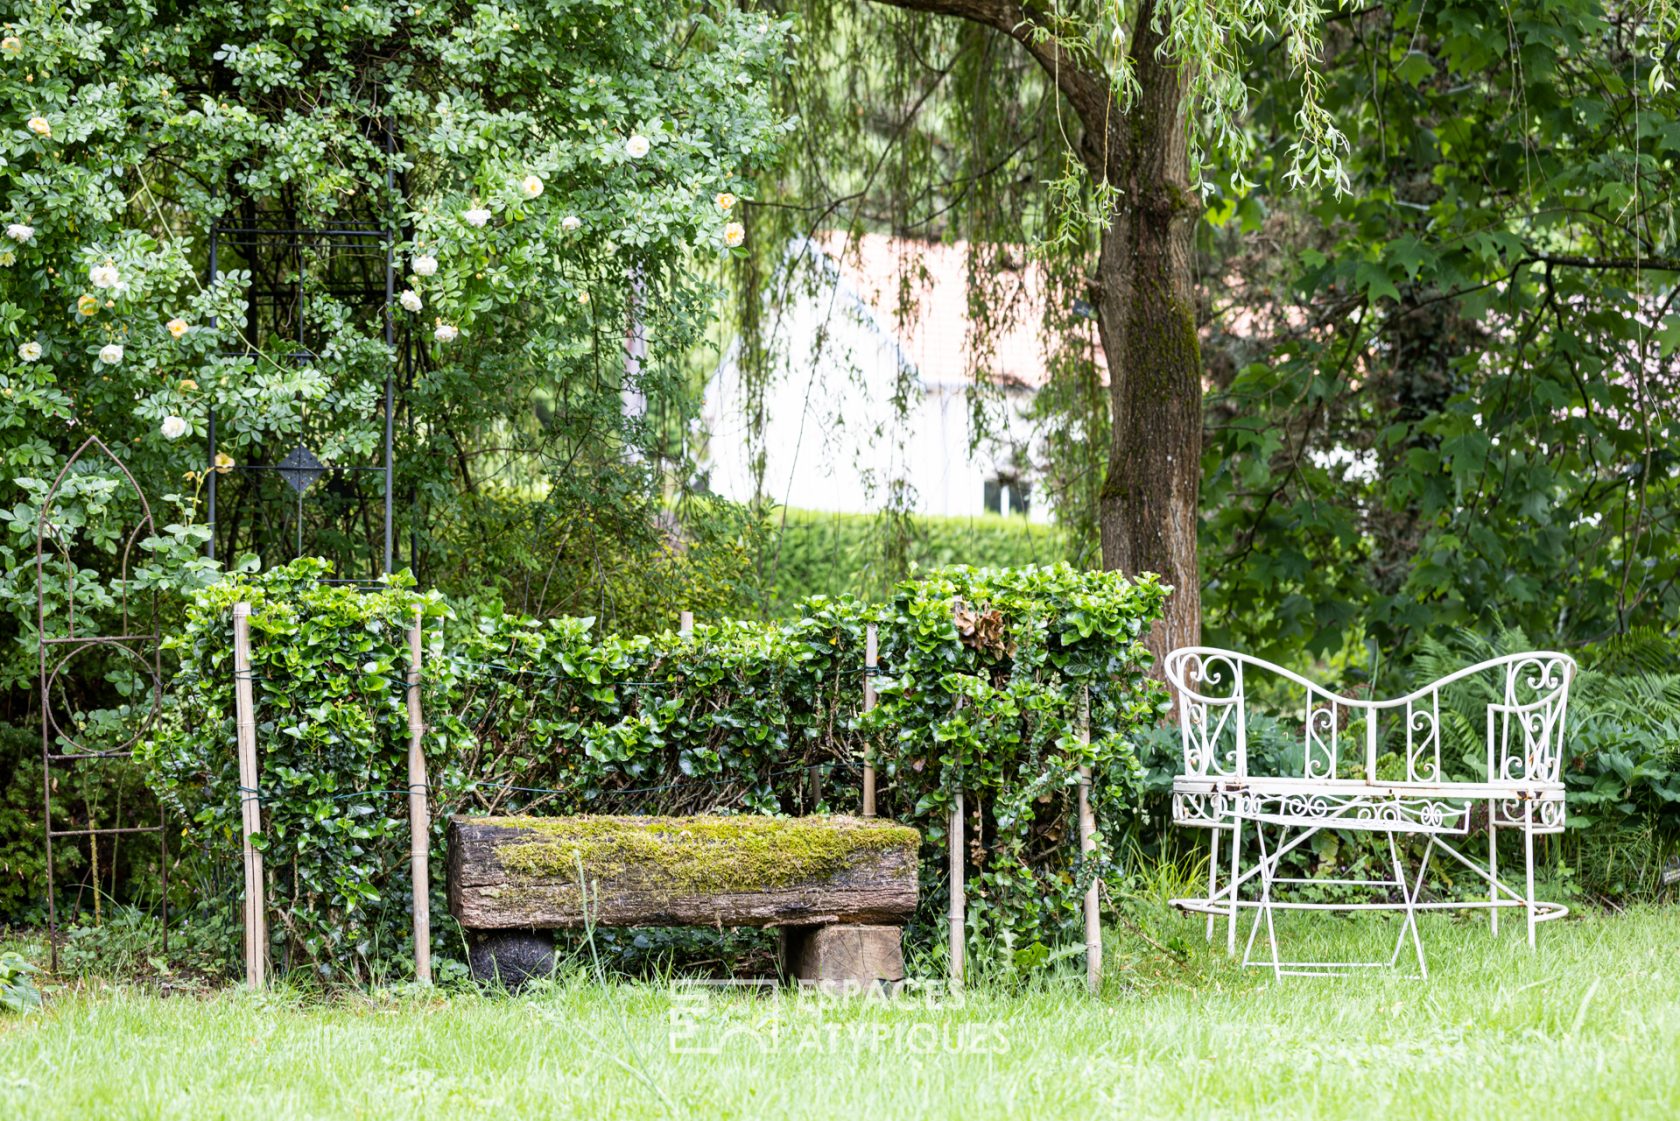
{"points": [[697, 854]]}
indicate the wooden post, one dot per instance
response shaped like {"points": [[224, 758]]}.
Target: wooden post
{"points": [[956, 919], [1088, 848], [245, 737], [870, 659], [419, 814], [685, 623]]}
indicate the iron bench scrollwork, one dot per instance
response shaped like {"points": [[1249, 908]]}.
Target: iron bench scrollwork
{"points": [[1390, 776]]}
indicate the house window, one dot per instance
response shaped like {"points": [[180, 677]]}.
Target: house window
{"points": [[1007, 494]]}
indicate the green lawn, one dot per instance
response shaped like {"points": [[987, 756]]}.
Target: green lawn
{"points": [[1586, 1027]]}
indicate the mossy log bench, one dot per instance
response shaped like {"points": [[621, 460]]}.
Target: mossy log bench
{"points": [[838, 888]]}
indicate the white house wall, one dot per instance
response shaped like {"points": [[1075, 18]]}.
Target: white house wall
{"points": [[833, 440]]}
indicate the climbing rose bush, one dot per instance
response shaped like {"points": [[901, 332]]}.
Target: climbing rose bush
{"points": [[545, 168]]}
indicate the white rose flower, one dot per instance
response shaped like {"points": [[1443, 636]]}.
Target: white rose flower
{"points": [[734, 234], [39, 126], [19, 232], [424, 265], [571, 222], [531, 186], [11, 45], [477, 216], [30, 351], [638, 146], [410, 299], [446, 332], [103, 276], [174, 428], [111, 354]]}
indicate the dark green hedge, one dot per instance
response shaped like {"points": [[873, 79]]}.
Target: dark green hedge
{"points": [[813, 553]]}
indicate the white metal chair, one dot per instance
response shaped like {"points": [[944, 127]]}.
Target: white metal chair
{"points": [[1369, 765]]}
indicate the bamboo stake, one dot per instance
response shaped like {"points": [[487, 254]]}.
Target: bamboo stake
{"points": [[954, 834], [245, 733], [1088, 848], [870, 660], [956, 919], [419, 814]]}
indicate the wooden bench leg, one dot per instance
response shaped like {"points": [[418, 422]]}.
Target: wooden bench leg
{"points": [[844, 957]]}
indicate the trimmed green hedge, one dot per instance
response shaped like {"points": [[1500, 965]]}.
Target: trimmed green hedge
{"points": [[549, 717], [813, 553]]}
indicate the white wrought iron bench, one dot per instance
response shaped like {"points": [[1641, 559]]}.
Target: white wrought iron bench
{"points": [[1369, 765]]}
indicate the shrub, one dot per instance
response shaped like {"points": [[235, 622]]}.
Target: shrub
{"points": [[987, 699], [23, 854], [328, 662], [551, 717], [814, 553], [17, 984], [602, 544]]}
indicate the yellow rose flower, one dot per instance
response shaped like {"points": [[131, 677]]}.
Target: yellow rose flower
{"points": [[87, 305], [224, 463], [188, 385], [39, 126], [726, 201], [734, 234], [178, 327]]}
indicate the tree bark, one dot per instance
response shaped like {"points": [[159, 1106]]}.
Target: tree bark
{"points": [[1146, 318], [1144, 302]]}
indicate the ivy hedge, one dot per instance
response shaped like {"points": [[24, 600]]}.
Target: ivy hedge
{"points": [[983, 673]]}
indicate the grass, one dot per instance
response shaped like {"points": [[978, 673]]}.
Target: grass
{"points": [[1586, 1027]]}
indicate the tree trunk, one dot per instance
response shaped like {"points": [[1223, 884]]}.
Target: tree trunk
{"points": [[1146, 318], [1145, 311]]}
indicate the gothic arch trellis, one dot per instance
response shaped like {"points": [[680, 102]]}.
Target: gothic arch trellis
{"points": [[60, 746]]}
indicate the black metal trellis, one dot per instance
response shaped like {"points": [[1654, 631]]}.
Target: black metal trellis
{"points": [[357, 265], [56, 650]]}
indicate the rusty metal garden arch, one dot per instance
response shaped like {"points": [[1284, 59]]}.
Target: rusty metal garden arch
{"points": [[56, 650]]}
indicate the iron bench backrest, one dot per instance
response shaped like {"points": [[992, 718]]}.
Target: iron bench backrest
{"points": [[1523, 696]]}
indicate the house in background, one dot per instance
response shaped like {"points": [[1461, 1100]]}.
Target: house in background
{"points": [[856, 325]]}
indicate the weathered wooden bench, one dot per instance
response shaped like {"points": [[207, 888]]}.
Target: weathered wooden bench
{"points": [[837, 888]]}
